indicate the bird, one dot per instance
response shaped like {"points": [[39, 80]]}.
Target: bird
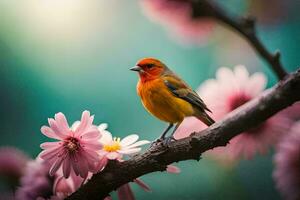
{"points": [[167, 97]]}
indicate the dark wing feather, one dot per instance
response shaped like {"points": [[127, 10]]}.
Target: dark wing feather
{"points": [[183, 91]]}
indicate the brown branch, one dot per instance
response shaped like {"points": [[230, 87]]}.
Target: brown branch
{"points": [[158, 157], [247, 116], [245, 26]]}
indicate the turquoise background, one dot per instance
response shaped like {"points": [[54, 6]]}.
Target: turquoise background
{"points": [[71, 57]]}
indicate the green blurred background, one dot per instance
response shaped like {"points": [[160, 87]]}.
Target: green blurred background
{"points": [[74, 55]]}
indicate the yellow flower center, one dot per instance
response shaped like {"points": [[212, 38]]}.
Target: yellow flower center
{"points": [[113, 146]]}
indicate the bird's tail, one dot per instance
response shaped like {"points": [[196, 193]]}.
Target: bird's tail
{"points": [[205, 118]]}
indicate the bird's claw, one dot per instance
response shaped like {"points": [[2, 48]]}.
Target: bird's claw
{"points": [[156, 142], [168, 140], [164, 141]]}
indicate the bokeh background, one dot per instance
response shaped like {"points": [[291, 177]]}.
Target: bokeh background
{"points": [[74, 55]]}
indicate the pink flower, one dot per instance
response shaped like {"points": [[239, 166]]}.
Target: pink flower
{"points": [[287, 164], [115, 148], [77, 146], [293, 112], [231, 89], [176, 15], [63, 187], [12, 164], [36, 182]]}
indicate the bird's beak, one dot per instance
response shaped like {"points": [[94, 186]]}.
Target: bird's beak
{"points": [[136, 69]]}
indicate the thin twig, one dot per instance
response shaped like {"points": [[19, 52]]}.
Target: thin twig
{"points": [[158, 157], [245, 26]]}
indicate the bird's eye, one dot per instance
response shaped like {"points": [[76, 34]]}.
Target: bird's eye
{"points": [[149, 66]]}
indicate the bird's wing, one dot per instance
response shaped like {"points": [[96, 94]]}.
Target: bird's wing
{"points": [[181, 90]]}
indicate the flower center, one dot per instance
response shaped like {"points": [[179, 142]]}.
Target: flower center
{"points": [[238, 100], [113, 146], [72, 144]]}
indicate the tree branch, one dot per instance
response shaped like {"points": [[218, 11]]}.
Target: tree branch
{"points": [[245, 26], [158, 157], [247, 116]]}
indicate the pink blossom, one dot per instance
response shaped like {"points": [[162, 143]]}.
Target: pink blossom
{"points": [[293, 112], [287, 164], [63, 187], [36, 182], [231, 89], [55, 187], [77, 147], [12, 164], [176, 15]]}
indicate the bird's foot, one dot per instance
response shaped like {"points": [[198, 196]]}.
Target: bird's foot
{"points": [[167, 141], [156, 142]]}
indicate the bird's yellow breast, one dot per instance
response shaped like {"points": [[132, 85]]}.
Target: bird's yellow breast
{"points": [[161, 103]]}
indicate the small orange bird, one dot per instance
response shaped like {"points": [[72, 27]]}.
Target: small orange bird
{"points": [[168, 97]]}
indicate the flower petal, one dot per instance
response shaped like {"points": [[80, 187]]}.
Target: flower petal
{"points": [[256, 84], [139, 143], [77, 181], [82, 166], [47, 131], [101, 164], [241, 74], [50, 145], [125, 192], [62, 122], [56, 166], [129, 151], [75, 125], [102, 126], [130, 139], [173, 169], [50, 153], [106, 138], [56, 129], [143, 185], [74, 163], [224, 74], [91, 134], [67, 167], [92, 145], [91, 155], [85, 118], [113, 155]]}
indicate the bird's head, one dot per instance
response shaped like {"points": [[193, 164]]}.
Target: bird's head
{"points": [[149, 68]]}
